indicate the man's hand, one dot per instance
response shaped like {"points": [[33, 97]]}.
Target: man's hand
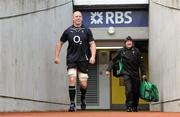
{"points": [[107, 73], [58, 47], [144, 77], [56, 60], [92, 60]]}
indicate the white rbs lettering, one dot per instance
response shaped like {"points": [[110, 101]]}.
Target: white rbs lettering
{"points": [[127, 15], [76, 39], [118, 17], [109, 18]]}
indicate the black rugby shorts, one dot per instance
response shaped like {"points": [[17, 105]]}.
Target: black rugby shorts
{"points": [[82, 66]]}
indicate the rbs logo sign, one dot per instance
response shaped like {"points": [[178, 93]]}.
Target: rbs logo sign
{"points": [[111, 17], [116, 18]]}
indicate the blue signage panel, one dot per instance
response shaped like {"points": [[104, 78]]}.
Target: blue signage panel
{"points": [[132, 18]]}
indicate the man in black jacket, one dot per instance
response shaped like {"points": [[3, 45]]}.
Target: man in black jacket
{"points": [[132, 61]]}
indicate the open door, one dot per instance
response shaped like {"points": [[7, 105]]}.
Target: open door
{"points": [[117, 85]]}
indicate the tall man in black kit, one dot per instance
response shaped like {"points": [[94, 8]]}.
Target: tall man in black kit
{"points": [[80, 52]]}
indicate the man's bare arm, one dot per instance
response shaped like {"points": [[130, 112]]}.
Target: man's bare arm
{"points": [[93, 52], [58, 47]]}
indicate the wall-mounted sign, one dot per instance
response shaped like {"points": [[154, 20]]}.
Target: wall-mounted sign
{"points": [[115, 18]]}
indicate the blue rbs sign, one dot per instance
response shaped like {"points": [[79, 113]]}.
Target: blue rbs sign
{"points": [[115, 18]]}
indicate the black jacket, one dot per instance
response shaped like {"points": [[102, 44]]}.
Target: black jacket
{"points": [[132, 61]]}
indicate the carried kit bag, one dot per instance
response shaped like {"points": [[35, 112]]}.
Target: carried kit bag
{"points": [[117, 68], [149, 91]]}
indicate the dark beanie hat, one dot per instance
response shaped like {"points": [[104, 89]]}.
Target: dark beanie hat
{"points": [[128, 39]]}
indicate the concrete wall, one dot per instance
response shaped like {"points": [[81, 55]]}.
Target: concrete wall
{"points": [[29, 29], [164, 53]]}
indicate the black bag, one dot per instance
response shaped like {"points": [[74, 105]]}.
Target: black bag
{"points": [[117, 68]]}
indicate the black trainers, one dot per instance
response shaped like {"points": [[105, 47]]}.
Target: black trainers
{"points": [[129, 109], [83, 106], [72, 107], [135, 109]]}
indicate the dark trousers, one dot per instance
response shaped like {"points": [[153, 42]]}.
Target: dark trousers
{"points": [[131, 90]]}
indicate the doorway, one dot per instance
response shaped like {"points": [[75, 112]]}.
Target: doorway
{"points": [[117, 85]]}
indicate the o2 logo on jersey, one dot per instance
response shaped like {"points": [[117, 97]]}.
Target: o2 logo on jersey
{"points": [[77, 39]]}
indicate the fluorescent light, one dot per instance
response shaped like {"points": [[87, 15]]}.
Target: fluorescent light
{"points": [[103, 48], [108, 2]]}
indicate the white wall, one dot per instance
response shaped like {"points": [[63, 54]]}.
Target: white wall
{"points": [[164, 54], [168, 3], [27, 40]]}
